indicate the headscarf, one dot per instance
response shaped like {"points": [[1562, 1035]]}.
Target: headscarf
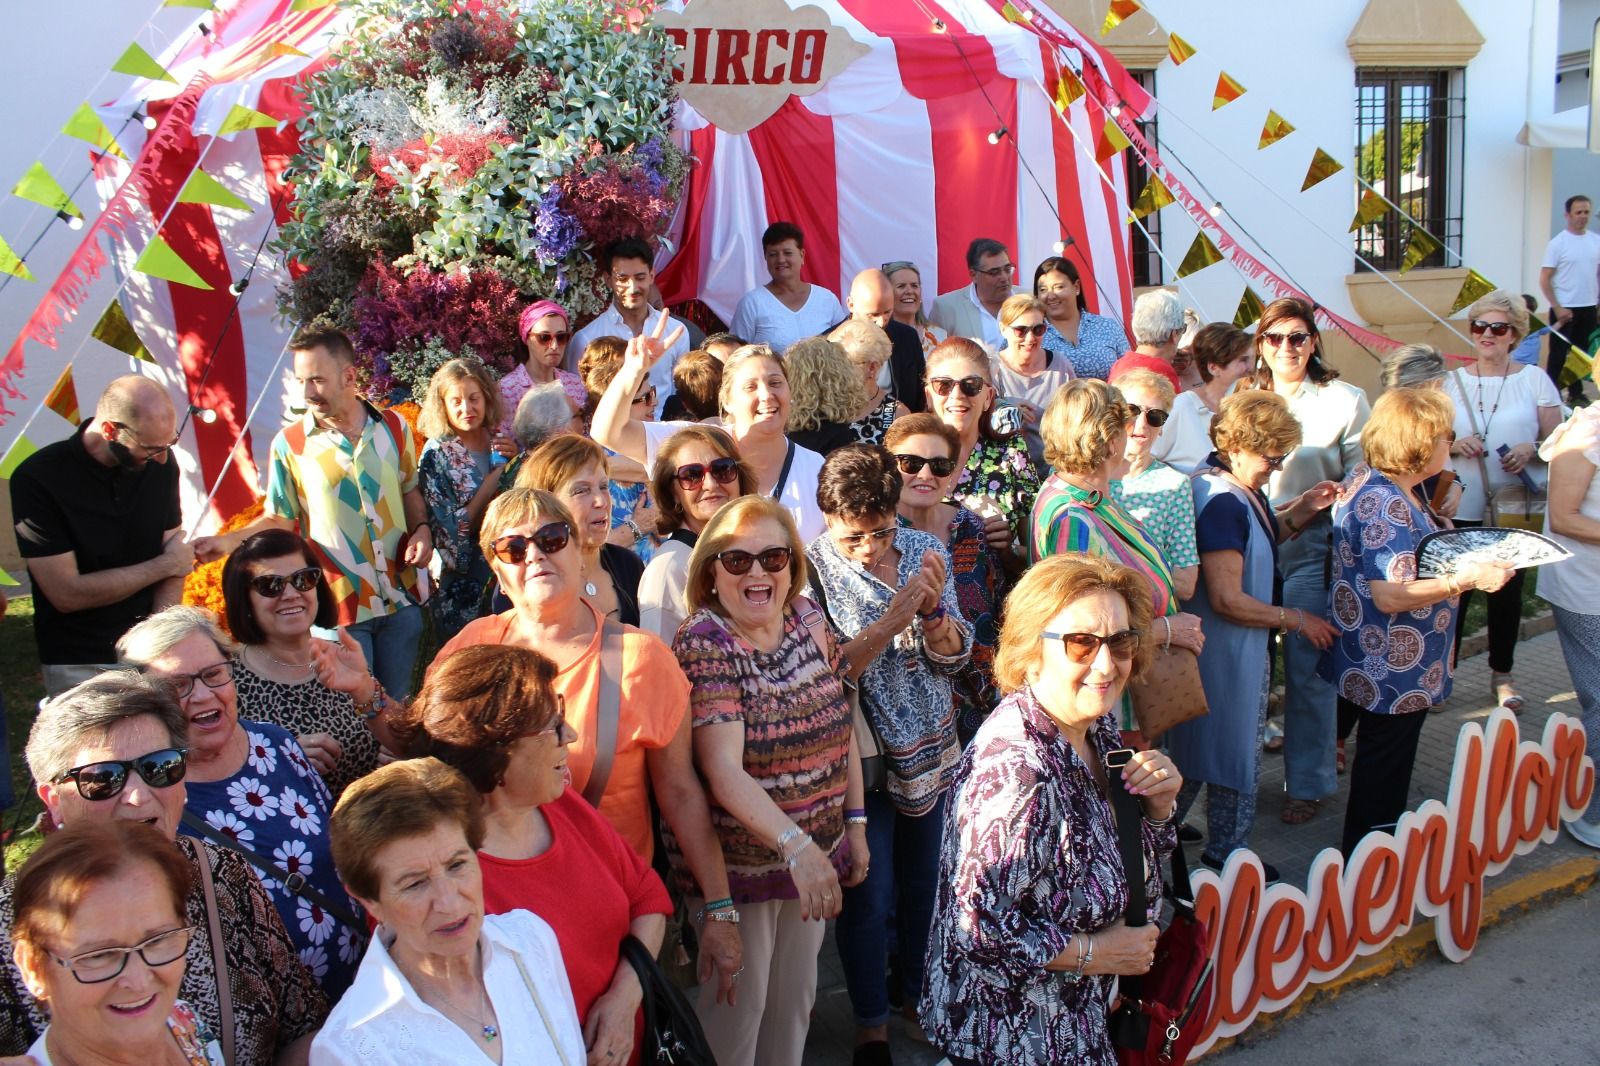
{"points": [[536, 311]]}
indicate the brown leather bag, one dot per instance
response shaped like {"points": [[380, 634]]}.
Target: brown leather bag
{"points": [[1169, 693]]}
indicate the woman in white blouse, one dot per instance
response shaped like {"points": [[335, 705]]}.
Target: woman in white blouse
{"points": [[787, 307], [1222, 356], [1499, 404]]}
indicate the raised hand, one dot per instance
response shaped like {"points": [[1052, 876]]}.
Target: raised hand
{"points": [[648, 347], [342, 666]]}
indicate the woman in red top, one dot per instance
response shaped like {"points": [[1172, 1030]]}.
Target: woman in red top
{"points": [[491, 712]]}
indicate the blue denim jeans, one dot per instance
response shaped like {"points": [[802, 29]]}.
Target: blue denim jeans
{"points": [[900, 887], [390, 645], [1308, 700]]}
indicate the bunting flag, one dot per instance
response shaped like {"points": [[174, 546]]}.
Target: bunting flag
{"points": [[1250, 309], [1119, 12], [160, 261], [1178, 49], [7, 579], [1323, 166], [1069, 89], [1009, 10], [1227, 92], [20, 449], [1418, 247], [141, 64], [115, 330], [1112, 140], [1371, 208], [1475, 286], [205, 5], [241, 118], [1273, 130], [280, 50], [1578, 367], [1201, 254], [1153, 197], [38, 186], [202, 188], [85, 125], [11, 263], [310, 5], [63, 399]]}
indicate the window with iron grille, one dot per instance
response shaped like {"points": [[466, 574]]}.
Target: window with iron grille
{"points": [[1143, 251], [1409, 126]]}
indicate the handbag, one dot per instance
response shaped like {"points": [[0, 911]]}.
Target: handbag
{"points": [[1518, 505], [1160, 1013], [672, 1033], [1169, 692], [874, 768]]}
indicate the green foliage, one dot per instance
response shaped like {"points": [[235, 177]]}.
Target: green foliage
{"points": [[1373, 161]]}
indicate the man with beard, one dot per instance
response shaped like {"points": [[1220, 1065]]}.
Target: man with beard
{"points": [[99, 525], [626, 267]]}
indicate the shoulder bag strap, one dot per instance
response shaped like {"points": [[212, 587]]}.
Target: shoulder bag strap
{"points": [[1472, 420], [219, 955], [783, 474], [1130, 841], [608, 710], [538, 1003], [295, 883]]}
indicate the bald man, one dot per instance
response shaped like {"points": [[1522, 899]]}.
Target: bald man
{"points": [[99, 526], [871, 299]]}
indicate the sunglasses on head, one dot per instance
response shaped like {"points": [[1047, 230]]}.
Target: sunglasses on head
{"points": [[1497, 329], [1023, 331], [971, 385], [549, 338], [1153, 415], [724, 471], [271, 585], [549, 539], [1297, 339], [913, 464], [104, 780], [1085, 647], [738, 562], [877, 536]]}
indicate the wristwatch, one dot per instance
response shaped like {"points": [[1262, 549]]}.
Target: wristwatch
{"points": [[727, 914]]}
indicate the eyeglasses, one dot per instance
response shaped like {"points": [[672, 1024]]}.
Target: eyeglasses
{"points": [[558, 725], [271, 586], [104, 964], [1085, 647], [551, 338], [104, 780], [646, 398], [913, 464], [998, 271], [213, 676], [1498, 329], [1023, 331], [513, 547], [151, 451], [1297, 339], [855, 540], [1153, 415], [738, 562], [1274, 462], [723, 471], [970, 386]]}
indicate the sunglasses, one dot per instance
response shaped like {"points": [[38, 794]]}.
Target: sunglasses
{"points": [[877, 536], [1274, 462], [213, 676], [1498, 329], [97, 967], [646, 398], [738, 562], [1297, 339], [970, 386], [271, 586], [551, 338], [104, 780], [1155, 416], [1023, 331], [1085, 647], [913, 464], [513, 547], [724, 471]]}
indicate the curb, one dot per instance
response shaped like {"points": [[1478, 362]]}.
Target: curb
{"points": [[1538, 625], [1571, 877]]}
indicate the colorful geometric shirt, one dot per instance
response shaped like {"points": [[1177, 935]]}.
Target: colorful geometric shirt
{"points": [[348, 500], [1069, 519]]}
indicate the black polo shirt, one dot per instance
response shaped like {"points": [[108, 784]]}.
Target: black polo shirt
{"points": [[64, 500]]}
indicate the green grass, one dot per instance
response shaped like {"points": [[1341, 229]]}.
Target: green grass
{"points": [[23, 688]]}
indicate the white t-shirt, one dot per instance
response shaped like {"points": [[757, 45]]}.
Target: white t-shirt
{"points": [[661, 590], [1036, 391], [1574, 584], [761, 318], [798, 494], [1185, 440], [1510, 407], [1576, 259]]}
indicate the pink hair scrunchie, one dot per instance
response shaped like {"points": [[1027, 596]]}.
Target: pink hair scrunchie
{"points": [[534, 313]]}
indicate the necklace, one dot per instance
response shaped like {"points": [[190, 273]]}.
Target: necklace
{"points": [[488, 1031], [1484, 419], [306, 666]]}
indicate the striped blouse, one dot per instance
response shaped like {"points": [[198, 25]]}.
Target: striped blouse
{"points": [[1069, 519]]}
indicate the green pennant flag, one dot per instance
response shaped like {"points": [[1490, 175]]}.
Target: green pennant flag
{"points": [[1418, 247], [1201, 254], [85, 125], [11, 263], [1323, 166], [241, 118], [1371, 208], [205, 5], [7, 579], [310, 5], [1578, 367], [1475, 286], [202, 188], [38, 186], [115, 330], [160, 261], [1250, 309], [1153, 197], [20, 449], [141, 64]]}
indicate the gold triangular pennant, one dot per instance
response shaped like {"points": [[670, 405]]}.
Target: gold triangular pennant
{"points": [[1118, 13], [1250, 309], [1069, 89], [1273, 130], [241, 118], [1178, 49], [141, 64], [1371, 208], [1201, 254], [1227, 91], [1418, 247], [115, 330], [1475, 286], [40, 187], [1153, 197], [11, 263], [85, 125], [63, 398], [1112, 141], [159, 260], [1323, 166], [202, 188]]}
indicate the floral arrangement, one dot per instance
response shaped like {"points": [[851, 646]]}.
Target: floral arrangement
{"points": [[462, 157]]}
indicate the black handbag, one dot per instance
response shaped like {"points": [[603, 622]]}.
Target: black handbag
{"points": [[672, 1033]]}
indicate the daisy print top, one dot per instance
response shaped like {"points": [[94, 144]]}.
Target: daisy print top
{"points": [[277, 806]]}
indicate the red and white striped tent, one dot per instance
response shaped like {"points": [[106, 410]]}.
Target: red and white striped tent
{"points": [[890, 160]]}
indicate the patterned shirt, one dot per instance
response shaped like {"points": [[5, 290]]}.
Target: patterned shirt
{"points": [[518, 383], [791, 702], [1029, 860], [906, 690], [310, 707], [1069, 519], [1101, 343], [1000, 478], [348, 500], [875, 426], [450, 476], [1385, 663], [1162, 501]]}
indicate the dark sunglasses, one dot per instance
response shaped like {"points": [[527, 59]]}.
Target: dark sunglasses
{"points": [[913, 464], [513, 547], [1274, 462], [1498, 329], [1023, 331], [649, 398], [271, 585], [724, 471], [1153, 415], [738, 562], [104, 780], [1296, 339], [970, 386], [1084, 647], [547, 338]]}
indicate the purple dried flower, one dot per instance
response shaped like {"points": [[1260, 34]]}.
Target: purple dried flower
{"points": [[556, 232]]}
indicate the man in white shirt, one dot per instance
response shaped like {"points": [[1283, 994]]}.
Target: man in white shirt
{"points": [[626, 267], [1569, 277], [974, 311]]}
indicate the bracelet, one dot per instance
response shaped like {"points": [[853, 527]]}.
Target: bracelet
{"points": [[1288, 523], [805, 842], [638, 534], [1085, 957], [1299, 620], [1166, 645], [370, 709], [718, 904], [932, 616], [1162, 823], [852, 814], [794, 832], [855, 819]]}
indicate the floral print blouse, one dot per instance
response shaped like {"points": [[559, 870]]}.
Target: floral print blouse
{"points": [[1000, 475], [450, 476], [1029, 860]]}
